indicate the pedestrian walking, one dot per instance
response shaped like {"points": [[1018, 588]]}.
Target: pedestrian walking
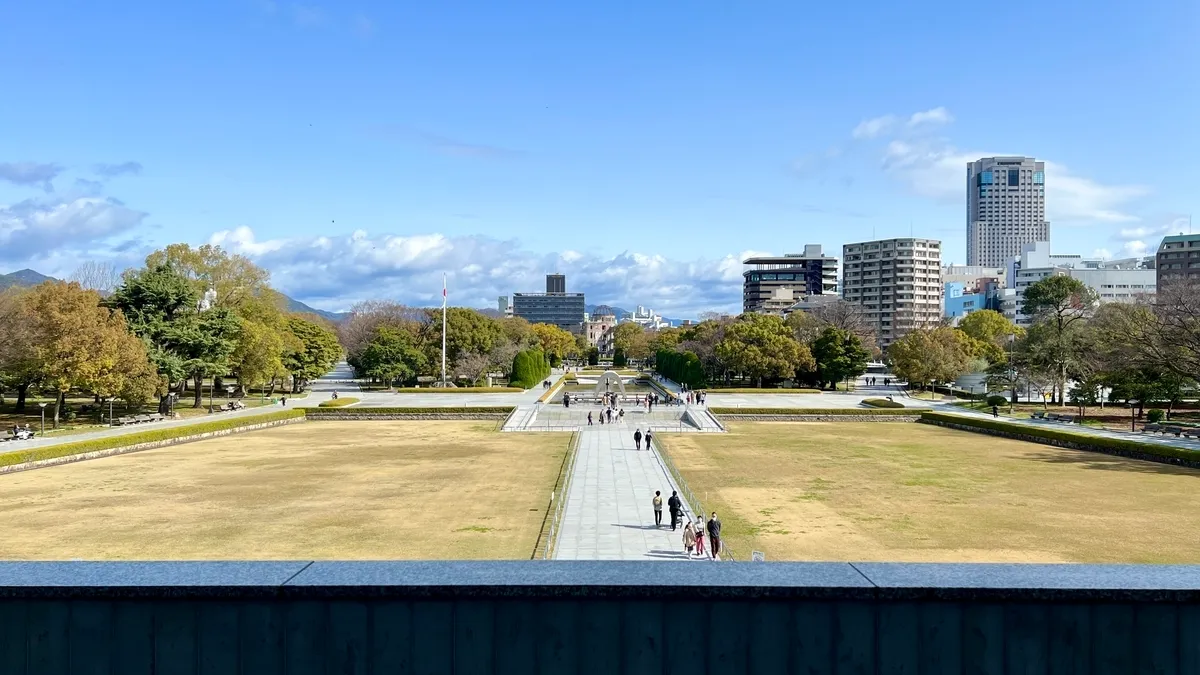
{"points": [[648, 438], [637, 439], [995, 411], [699, 525], [657, 508], [689, 538], [589, 418], [283, 401], [714, 535], [675, 506]]}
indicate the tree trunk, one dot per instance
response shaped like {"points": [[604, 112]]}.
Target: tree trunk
{"points": [[1170, 408], [199, 382], [22, 391], [58, 406]]}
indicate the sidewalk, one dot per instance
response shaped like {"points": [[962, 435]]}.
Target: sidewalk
{"points": [[609, 514]]}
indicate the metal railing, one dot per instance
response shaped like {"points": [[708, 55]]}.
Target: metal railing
{"points": [[558, 500], [693, 501]]}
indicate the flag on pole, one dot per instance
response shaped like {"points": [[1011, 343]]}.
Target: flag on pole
{"points": [[443, 329]]}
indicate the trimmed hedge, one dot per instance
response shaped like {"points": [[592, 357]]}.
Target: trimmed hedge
{"points": [[881, 403], [684, 368], [147, 436], [529, 368], [338, 402], [759, 390], [419, 411], [458, 390], [1099, 443], [996, 400], [817, 411]]}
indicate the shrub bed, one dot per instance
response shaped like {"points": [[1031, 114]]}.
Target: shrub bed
{"points": [[868, 412], [882, 403], [458, 390], [490, 410], [140, 437], [1061, 437], [530, 367], [338, 402], [758, 390]]}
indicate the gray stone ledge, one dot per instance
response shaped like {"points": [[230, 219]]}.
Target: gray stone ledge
{"points": [[820, 418], [349, 415], [598, 580]]}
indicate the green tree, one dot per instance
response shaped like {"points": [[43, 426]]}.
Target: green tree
{"points": [[157, 301], [467, 331], [207, 341], [234, 278], [19, 365], [392, 356], [632, 340], [839, 355], [991, 332], [258, 356], [761, 346], [927, 356], [318, 351], [1059, 305]]}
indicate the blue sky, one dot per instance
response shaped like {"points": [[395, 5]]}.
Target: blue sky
{"points": [[360, 149]]}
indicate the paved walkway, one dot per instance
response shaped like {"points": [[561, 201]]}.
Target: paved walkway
{"points": [[609, 513], [1155, 439]]}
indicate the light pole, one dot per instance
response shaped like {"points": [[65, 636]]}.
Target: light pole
{"points": [[43, 407]]}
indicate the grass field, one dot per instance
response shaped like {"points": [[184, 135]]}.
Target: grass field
{"points": [[319, 490], [914, 492]]}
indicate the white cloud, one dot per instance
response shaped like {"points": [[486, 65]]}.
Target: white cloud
{"points": [[39, 174], [335, 272], [1075, 198], [1143, 239], [34, 228], [933, 116], [874, 126]]}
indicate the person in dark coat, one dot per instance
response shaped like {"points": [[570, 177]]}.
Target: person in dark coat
{"points": [[675, 506], [714, 535], [637, 439]]}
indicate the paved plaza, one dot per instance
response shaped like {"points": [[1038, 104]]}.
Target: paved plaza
{"points": [[609, 513]]}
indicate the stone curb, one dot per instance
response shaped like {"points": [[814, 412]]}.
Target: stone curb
{"points": [[350, 416], [820, 418], [138, 447]]}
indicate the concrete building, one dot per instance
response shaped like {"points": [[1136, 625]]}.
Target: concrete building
{"points": [[896, 282], [559, 308], [957, 303], [808, 273], [1006, 208], [1123, 280], [648, 319], [599, 328], [504, 307], [973, 277], [1178, 259]]}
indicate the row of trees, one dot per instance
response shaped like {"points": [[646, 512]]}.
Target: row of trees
{"points": [[396, 344], [1076, 350], [818, 348], [188, 314]]}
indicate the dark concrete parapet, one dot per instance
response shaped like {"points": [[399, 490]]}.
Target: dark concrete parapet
{"points": [[602, 617], [820, 418]]}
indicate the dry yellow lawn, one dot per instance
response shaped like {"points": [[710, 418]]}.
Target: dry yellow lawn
{"points": [[318, 490], [915, 492]]}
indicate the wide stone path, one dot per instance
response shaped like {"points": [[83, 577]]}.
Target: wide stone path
{"points": [[609, 513]]}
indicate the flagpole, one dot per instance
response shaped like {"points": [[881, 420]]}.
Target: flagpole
{"points": [[443, 329]]}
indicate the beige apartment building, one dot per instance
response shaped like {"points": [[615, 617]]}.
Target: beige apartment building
{"points": [[896, 282]]}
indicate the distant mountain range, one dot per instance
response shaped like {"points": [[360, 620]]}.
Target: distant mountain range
{"points": [[29, 277]]}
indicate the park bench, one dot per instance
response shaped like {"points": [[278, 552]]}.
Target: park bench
{"points": [[1152, 428], [122, 421], [1172, 430], [156, 417], [1061, 418], [1191, 433], [1039, 415]]}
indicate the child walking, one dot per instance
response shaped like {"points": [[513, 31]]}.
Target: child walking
{"points": [[689, 538]]}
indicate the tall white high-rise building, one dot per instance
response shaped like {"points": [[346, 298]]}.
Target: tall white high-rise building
{"points": [[1006, 208]]}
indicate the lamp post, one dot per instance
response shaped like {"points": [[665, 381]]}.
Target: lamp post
{"points": [[1132, 415], [43, 407]]}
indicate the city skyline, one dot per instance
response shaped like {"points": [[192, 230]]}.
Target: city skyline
{"points": [[308, 138]]}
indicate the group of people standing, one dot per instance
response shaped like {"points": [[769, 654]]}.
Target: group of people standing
{"points": [[694, 533], [607, 412], [872, 381]]}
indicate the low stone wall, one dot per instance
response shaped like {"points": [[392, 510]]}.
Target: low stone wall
{"points": [[1129, 454], [349, 415], [820, 418], [137, 447]]}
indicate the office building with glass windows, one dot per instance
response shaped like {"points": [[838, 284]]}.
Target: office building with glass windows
{"points": [[766, 280], [1006, 208], [557, 307]]}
